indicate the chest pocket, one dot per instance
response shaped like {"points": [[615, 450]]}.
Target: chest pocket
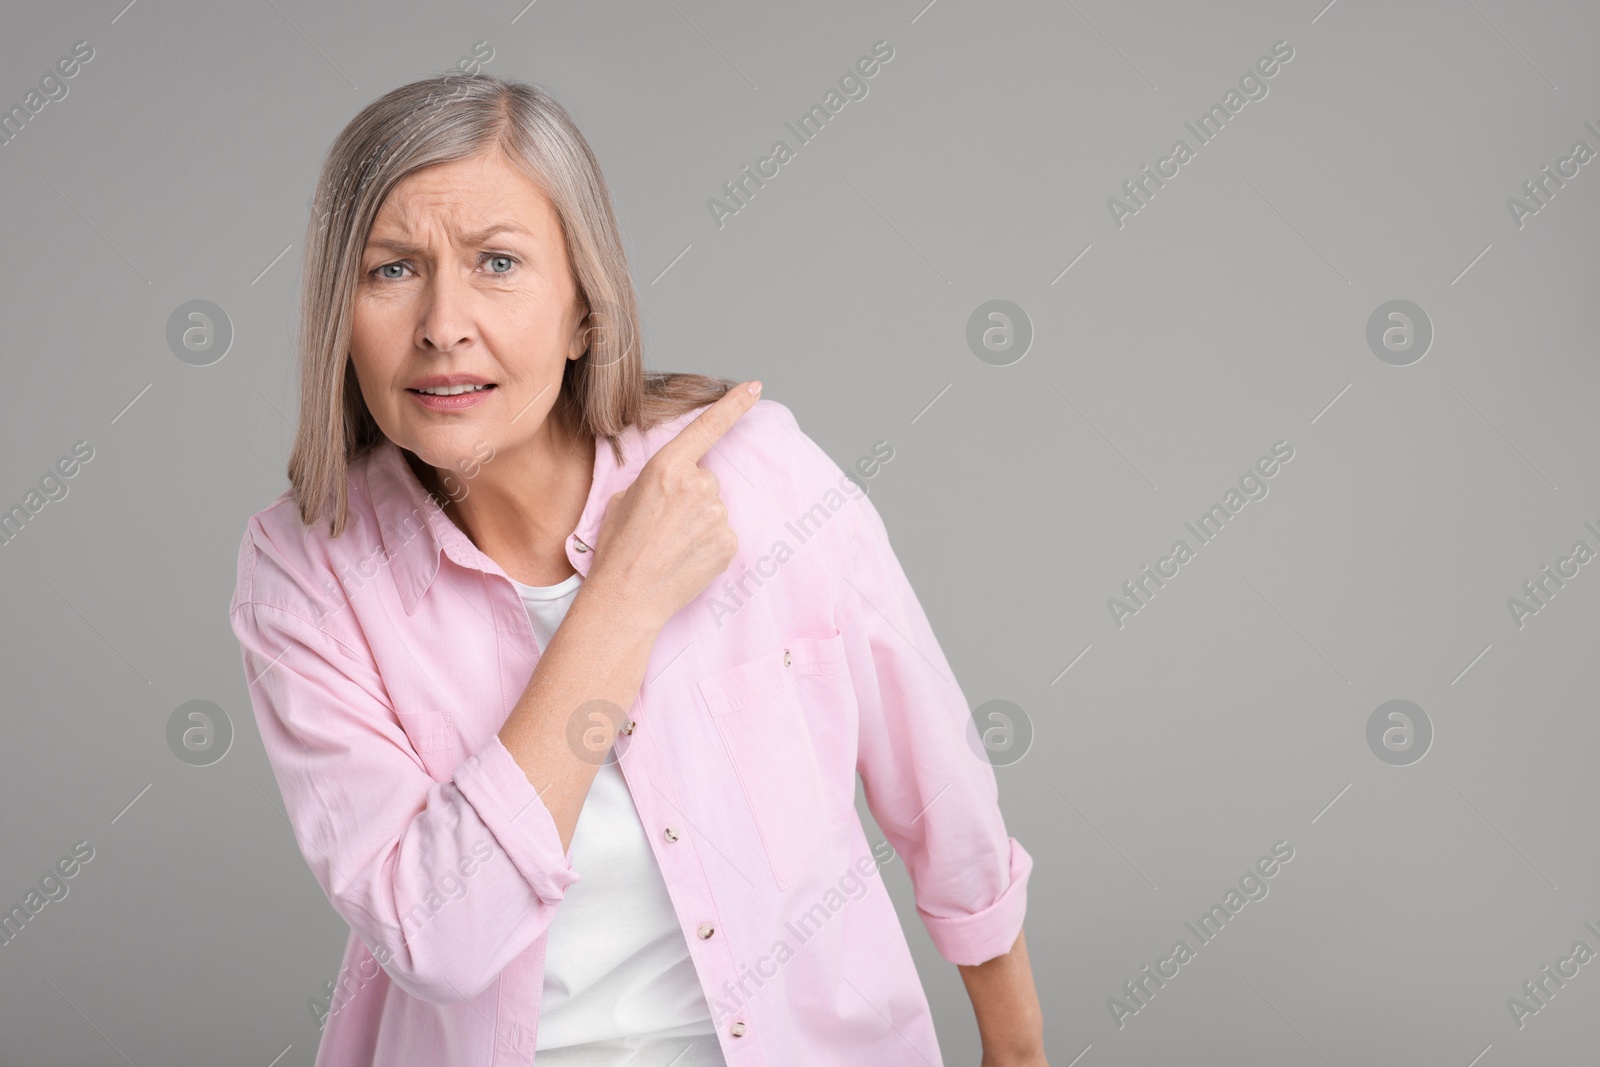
{"points": [[765, 710]]}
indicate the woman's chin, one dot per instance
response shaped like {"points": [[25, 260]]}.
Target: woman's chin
{"points": [[446, 448]]}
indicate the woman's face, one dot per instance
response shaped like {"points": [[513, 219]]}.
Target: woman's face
{"points": [[464, 280]]}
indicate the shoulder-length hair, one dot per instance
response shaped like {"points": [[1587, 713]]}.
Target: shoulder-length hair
{"points": [[437, 120]]}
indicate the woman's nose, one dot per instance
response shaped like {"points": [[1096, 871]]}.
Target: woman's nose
{"points": [[446, 313]]}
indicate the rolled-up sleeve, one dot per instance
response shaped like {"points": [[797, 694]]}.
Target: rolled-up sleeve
{"points": [[449, 880], [934, 796]]}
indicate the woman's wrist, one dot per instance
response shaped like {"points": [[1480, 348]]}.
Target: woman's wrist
{"points": [[1033, 1057], [1015, 1050], [620, 607]]}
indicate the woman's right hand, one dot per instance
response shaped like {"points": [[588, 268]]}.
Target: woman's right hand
{"points": [[666, 537]]}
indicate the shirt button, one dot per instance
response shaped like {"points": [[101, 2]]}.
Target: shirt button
{"points": [[706, 930], [579, 545], [786, 657], [670, 833], [737, 1029], [628, 729]]}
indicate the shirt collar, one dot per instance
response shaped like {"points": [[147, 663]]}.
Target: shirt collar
{"points": [[414, 531]]}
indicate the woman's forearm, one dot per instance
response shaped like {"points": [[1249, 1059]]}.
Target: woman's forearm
{"points": [[598, 654], [1010, 1022]]}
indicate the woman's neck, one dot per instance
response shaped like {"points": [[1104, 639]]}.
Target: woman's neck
{"points": [[519, 507]]}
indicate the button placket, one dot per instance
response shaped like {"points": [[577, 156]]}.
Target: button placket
{"points": [[704, 931]]}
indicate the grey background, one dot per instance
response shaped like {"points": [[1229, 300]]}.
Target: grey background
{"points": [[1228, 314]]}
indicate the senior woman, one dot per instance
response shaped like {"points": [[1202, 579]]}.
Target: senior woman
{"points": [[566, 671]]}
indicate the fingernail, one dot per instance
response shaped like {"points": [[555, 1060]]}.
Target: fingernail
{"points": [[753, 388]]}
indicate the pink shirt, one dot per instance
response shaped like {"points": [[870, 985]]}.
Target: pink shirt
{"points": [[382, 665]]}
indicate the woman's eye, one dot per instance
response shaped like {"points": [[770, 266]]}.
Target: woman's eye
{"points": [[500, 264]]}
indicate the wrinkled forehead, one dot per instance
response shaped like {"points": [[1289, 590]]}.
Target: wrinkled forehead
{"points": [[463, 201]]}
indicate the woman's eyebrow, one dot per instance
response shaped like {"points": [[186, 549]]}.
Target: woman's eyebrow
{"points": [[406, 248]]}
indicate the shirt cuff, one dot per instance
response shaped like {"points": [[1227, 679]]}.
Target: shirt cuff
{"points": [[982, 935], [496, 786]]}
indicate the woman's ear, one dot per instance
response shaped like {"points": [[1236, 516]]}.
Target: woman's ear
{"points": [[582, 337]]}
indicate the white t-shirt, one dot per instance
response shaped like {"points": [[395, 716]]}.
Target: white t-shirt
{"points": [[619, 986]]}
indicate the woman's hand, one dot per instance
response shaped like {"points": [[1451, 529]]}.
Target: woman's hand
{"points": [[666, 536]]}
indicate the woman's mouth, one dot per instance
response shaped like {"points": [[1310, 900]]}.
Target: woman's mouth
{"points": [[452, 397]]}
